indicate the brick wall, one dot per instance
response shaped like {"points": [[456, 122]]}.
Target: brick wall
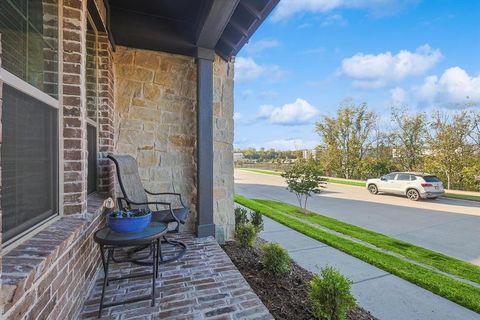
{"points": [[50, 275], [74, 107], [50, 37]]}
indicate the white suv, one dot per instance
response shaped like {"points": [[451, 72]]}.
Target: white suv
{"points": [[411, 184]]}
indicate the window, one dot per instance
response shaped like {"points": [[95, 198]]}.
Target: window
{"points": [[92, 104], [29, 42], [403, 177], [390, 176], [431, 179], [30, 130]]}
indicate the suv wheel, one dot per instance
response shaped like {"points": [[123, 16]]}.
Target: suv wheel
{"points": [[413, 194], [373, 189]]}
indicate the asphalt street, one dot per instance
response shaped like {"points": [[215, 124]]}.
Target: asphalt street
{"points": [[449, 226]]}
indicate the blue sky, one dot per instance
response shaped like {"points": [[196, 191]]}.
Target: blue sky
{"points": [[312, 54]]}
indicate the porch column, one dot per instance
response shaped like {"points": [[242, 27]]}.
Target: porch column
{"points": [[205, 226]]}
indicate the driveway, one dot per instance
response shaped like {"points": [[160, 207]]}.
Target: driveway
{"points": [[448, 226]]}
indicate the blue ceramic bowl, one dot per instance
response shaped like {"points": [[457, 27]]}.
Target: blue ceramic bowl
{"points": [[128, 224]]}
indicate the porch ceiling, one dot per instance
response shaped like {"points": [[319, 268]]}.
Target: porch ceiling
{"points": [[182, 26]]}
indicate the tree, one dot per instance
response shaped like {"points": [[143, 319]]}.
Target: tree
{"points": [[449, 150], [408, 138], [347, 137], [475, 133], [304, 179]]}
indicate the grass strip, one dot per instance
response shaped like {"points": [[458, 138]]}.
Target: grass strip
{"points": [[330, 180], [270, 172], [432, 258], [355, 183], [442, 285], [462, 196]]}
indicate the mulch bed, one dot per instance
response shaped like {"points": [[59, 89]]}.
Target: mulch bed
{"points": [[285, 296]]}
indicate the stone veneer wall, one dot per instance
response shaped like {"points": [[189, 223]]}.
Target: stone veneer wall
{"points": [[156, 107], [223, 145], [155, 96]]}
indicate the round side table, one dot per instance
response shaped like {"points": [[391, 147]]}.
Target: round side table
{"points": [[109, 240]]}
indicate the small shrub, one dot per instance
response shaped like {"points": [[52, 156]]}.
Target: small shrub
{"points": [[241, 217], [257, 221], [330, 295], [246, 234], [275, 258], [304, 179]]}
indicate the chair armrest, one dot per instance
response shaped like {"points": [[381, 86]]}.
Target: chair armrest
{"points": [[156, 203], [150, 202], [162, 193], [167, 193]]}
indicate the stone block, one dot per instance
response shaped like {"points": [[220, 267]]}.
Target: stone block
{"points": [[147, 59]]}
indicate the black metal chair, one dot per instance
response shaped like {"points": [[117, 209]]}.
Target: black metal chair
{"points": [[135, 196]]}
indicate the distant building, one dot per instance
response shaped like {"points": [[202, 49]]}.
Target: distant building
{"points": [[237, 156], [309, 154]]}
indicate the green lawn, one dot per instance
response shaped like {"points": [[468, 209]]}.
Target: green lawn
{"points": [[438, 260], [454, 290], [348, 182], [362, 184], [271, 172], [462, 196]]}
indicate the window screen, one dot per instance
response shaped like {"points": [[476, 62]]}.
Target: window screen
{"points": [[92, 159], [29, 31], [91, 76], [29, 156]]}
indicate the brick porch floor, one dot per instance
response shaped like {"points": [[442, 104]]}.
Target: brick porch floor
{"points": [[203, 284]]}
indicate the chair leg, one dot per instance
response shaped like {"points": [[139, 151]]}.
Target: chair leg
{"points": [[154, 269], [159, 255], [174, 243]]}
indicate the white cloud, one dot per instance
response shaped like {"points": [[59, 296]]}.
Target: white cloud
{"points": [[248, 69], [297, 113], [289, 8], [374, 71], [334, 20], [237, 116], [290, 144], [454, 87], [398, 96], [261, 45]]}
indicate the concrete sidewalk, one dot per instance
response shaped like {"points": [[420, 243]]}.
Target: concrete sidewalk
{"points": [[386, 296]]}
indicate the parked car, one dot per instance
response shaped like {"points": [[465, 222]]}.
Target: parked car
{"points": [[411, 184]]}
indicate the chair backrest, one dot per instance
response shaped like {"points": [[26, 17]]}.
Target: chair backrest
{"points": [[129, 179]]}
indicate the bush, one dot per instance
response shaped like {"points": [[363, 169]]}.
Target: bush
{"points": [[257, 221], [275, 258], [241, 217], [330, 295], [246, 234]]}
